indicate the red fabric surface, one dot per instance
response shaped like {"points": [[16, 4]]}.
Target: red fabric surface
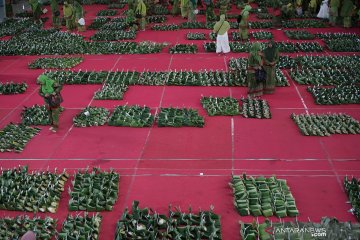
{"points": [[265, 138], [159, 166]]}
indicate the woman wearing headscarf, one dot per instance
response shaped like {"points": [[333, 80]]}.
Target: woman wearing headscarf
{"points": [[130, 19], [36, 9], [191, 11], [223, 7], [69, 16], [50, 91], [255, 62], [244, 23], [312, 6], [175, 10], [334, 11], [209, 13], [184, 5], [222, 40], [271, 57], [141, 11], [346, 12], [131, 4], [79, 16], [324, 10], [55, 11]]}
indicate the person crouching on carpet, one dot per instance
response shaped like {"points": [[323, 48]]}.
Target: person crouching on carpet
{"points": [[255, 62], [271, 57], [222, 40], [50, 91]]}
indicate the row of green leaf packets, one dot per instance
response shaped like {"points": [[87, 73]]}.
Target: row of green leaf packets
{"points": [[283, 47], [37, 191], [14, 137], [113, 35], [147, 224], [136, 116], [13, 26], [263, 196], [326, 124], [352, 189], [223, 106], [176, 78], [9, 88], [73, 228], [40, 191], [183, 48], [52, 42], [255, 108], [325, 76], [329, 228], [15, 228], [343, 63], [341, 94], [94, 190], [58, 62]]}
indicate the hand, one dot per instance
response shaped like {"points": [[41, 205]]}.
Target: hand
{"points": [[46, 95]]}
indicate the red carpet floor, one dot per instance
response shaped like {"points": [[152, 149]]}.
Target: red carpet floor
{"points": [[187, 166]]}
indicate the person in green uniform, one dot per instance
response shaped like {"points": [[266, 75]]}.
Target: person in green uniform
{"points": [[209, 13], [271, 57], [79, 14], [131, 20], [244, 23], [55, 11], [9, 9], [222, 40], [312, 6], [36, 9], [255, 62], [191, 11], [223, 7], [50, 91], [175, 10], [346, 12], [141, 12], [334, 11], [131, 4], [184, 5], [69, 16]]}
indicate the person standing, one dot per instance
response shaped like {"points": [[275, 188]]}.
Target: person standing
{"points": [[334, 11], [79, 16], [191, 11], [131, 20], [324, 10], [255, 62], [271, 57], [346, 12], [312, 6], [55, 12], [184, 5], [244, 23], [223, 7], [210, 14], [50, 91], [222, 40], [131, 4], [68, 15], [141, 14], [175, 8], [36, 9]]}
